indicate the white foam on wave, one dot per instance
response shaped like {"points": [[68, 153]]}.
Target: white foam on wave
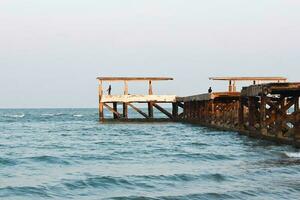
{"points": [[292, 154], [16, 115], [47, 114], [52, 114], [77, 115]]}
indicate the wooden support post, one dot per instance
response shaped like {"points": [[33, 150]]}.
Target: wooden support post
{"points": [[297, 123], [296, 104], [101, 112], [212, 112], [115, 107], [125, 111], [251, 114], [125, 107], [163, 110], [241, 113], [150, 109], [150, 104], [100, 91], [175, 110], [263, 107]]}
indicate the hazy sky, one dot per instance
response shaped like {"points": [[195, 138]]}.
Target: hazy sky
{"points": [[51, 51]]}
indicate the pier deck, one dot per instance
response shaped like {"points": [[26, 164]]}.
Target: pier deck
{"points": [[138, 98], [129, 100], [209, 96]]}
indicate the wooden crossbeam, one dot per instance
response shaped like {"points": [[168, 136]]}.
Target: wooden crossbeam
{"points": [[163, 110], [112, 110], [289, 104], [138, 110], [180, 104]]}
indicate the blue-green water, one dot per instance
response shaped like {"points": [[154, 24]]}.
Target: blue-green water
{"points": [[67, 154]]}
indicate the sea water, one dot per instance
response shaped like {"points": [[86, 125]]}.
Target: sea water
{"points": [[67, 154]]}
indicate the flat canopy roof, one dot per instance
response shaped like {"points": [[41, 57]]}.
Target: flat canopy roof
{"points": [[134, 78], [248, 78]]}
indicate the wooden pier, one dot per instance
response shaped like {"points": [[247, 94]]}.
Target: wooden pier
{"points": [[111, 102], [267, 109]]}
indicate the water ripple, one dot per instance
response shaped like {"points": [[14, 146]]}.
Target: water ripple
{"points": [[67, 154]]}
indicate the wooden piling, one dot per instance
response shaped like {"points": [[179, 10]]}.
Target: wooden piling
{"points": [[175, 110], [115, 107], [150, 110], [125, 111]]}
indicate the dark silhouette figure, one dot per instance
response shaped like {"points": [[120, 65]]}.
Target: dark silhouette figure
{"points": [[109, 90], [209, 90]]}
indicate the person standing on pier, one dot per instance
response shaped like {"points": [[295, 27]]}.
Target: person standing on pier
{"points": [[209, 90], [109, 90]]}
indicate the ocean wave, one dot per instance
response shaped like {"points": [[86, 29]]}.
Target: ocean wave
{"points": [[15, 115], [292, 154], [52, 114], [200, 156], [183, 197], [77, 115], [7, 162], [97, 182], [24, 191], [49, 159]]}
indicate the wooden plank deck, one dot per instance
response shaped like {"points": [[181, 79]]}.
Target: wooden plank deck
{"points": [[138, 98], [208, 96]]}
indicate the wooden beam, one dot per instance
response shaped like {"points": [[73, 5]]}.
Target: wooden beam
{"points": [[101, 114], [175, 110], [251, 112], [248, 78], [134, 78], [138, 98], [138, 110], [150, 109], [100, 93], [163, 110], [115, 107], [210, 96], [112, 110], [263, 115], [180, 104], [125, 110], [241, 113]]}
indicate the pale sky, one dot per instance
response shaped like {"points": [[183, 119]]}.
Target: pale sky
{"points": [[51, 51]]}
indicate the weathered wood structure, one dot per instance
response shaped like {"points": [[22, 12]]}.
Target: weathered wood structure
{"points": [[271, 111], [212, 109], [127, 99], [268, 109]]}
